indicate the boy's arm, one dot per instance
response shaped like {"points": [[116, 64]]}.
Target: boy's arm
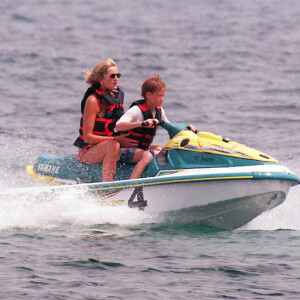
{"points": [[128, 121], [133, 118], [125, 126], [163, 116]]}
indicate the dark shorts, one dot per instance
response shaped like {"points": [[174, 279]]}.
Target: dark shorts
{"points": [[127, 155]]}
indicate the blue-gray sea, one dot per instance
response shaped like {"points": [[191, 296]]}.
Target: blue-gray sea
{"points": [[231, 67]]}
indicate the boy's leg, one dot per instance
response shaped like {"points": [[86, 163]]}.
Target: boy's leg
{"points": [[143, 158], [156, 149]]}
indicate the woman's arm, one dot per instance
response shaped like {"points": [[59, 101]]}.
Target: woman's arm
{"points": [[91, 110]]}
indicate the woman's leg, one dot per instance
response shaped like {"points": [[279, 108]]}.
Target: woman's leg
{"points": [[143, 158], [105, 153], [110, 161]]}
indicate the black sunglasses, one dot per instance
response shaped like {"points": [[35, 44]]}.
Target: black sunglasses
{"points": [[114, 75]]}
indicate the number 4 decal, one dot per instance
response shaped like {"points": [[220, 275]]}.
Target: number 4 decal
{"points": [[141, 203]]}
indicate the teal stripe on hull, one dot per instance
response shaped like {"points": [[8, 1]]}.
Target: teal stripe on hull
{"points": [[194, 178]]}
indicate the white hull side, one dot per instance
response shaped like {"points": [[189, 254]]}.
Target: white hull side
{"points": [[224, 204], [221, 197]]}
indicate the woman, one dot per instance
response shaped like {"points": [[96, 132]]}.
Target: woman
{"points": [[101, 108]]}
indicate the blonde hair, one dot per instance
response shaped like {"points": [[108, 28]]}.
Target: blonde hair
{"points": [[99, 71]]}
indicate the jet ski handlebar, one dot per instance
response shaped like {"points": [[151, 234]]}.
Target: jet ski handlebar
{"points": [[190, 128], [145, 123], [172, 128]]}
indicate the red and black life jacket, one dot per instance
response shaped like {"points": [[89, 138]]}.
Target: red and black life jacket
{"points": [[144, 135], [103, 125]]}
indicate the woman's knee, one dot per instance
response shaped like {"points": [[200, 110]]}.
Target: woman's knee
{"points": [[113, 146]]}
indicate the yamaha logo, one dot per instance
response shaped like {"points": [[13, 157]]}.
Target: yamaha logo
{"points": [[48, 168]]}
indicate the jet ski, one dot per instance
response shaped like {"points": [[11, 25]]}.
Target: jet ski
{"points": [[198, 178]]}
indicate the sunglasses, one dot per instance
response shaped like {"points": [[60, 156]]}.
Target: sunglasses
{"points": [[118, 75]]}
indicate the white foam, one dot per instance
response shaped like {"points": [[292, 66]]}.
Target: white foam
{"points": [[39, 209]]}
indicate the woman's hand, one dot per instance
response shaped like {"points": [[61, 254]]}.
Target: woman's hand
{"points": [[125, 141]]}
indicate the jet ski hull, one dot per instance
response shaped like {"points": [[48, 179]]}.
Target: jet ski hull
{"points": [[225, 199]]}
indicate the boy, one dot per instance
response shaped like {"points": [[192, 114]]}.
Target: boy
{"points": [[140, 122]]}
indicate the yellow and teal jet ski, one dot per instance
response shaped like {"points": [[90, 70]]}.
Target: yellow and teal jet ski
{"points": [[196, 178]]}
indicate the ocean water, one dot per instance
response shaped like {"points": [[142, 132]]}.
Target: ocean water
{"points": [[231, 67]]}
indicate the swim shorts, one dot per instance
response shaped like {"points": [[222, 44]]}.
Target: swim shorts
{"points": [[126, 155]]}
